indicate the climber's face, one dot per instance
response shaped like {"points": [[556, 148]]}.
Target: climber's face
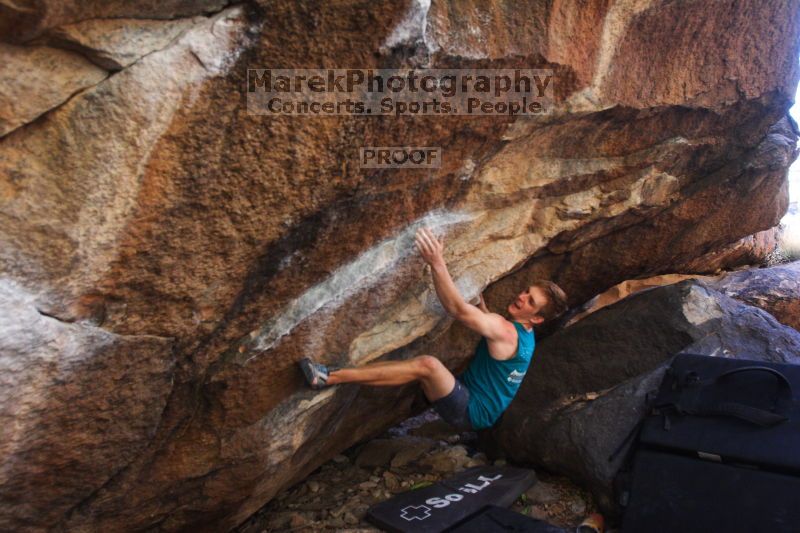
{"points": [[527, 304]]}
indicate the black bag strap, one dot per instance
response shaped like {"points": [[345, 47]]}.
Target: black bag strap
{"points": [[754, 415], [695, 404], [781, 378]]}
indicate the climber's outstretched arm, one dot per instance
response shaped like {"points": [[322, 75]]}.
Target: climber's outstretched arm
{"points": [[490, 325]]}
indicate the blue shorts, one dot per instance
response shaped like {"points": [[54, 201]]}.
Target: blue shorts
{"points": [[454, 408]]}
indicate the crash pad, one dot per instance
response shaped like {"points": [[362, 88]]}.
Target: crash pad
{"points": [[442, 505], [494, 518]]}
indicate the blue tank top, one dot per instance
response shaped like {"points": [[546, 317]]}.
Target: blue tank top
{"points": [[492, 384]]}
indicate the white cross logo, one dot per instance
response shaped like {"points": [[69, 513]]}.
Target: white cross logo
{"points": [[415, 512]]}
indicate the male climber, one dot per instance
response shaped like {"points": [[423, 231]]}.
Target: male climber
{"points": [[479, 396]]}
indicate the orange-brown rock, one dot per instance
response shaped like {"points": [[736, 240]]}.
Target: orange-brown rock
{"points": [[116, 43], [23, 20], [153, 206], [35, 79], [755, 249], [77, 405]]}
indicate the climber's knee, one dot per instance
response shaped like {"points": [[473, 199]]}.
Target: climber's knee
{"points": [[428, 366], [436, 380]]}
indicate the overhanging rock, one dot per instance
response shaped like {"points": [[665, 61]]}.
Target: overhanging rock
{"points": [[150, 205]]}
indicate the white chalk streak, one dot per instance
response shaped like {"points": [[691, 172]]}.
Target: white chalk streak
{"points": [[413, 27], [317, 400], [361, 273]]}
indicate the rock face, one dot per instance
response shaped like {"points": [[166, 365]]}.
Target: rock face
{"points": [[77, 404], [148, 213], [26, 19], [114, 44], [39, 78], [775, 290], [754, 249], [586, 387], [624, 289]]}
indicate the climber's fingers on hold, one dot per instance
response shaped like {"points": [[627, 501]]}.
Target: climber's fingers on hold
{"points": [[422, 243], [428, 238]]}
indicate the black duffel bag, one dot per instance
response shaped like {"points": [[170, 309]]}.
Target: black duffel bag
{"points": [[731, 409], [720, 449]]}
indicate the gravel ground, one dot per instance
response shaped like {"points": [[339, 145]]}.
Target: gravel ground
{"points": [[420, 451]]}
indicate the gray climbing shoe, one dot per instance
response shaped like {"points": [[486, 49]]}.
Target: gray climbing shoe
{"points": [[316, 374]]}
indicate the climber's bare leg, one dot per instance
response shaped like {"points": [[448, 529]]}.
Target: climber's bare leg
{"points": [[436, 380]]}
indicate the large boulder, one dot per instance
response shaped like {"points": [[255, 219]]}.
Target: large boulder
{"points": [[586, 388], [775, 290], [151, 207]]}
